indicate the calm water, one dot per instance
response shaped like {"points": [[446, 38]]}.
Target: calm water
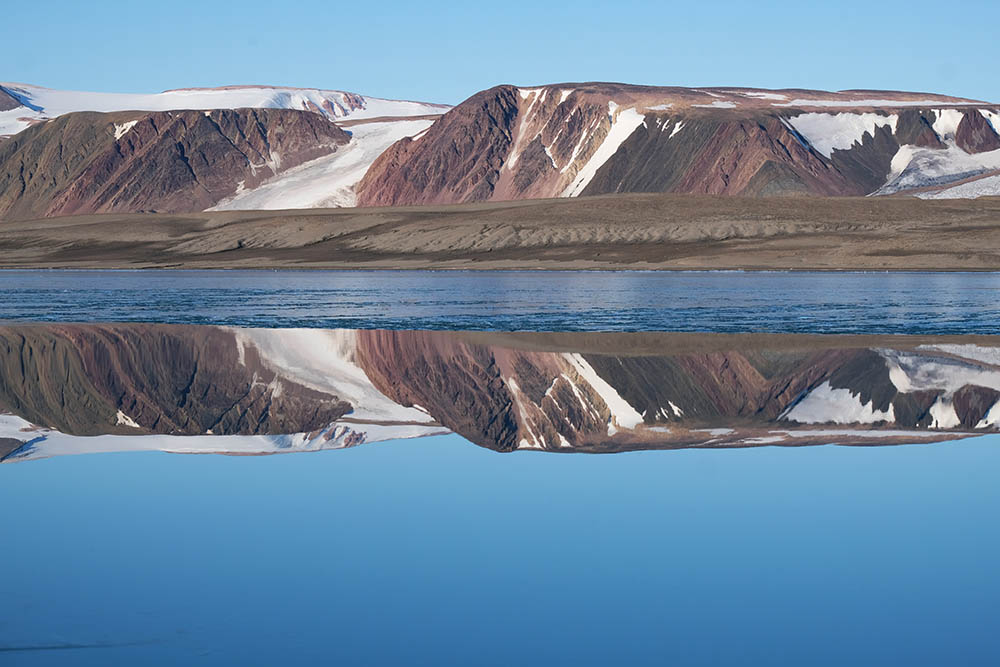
{"points": [[439, 553], [546, 301], [435, 552]]}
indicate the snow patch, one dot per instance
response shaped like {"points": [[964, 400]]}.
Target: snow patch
{"points": [[324, 360], [122, 129], [991, 418], [122, 419], [623, 124], [909, 372], [801, 102], [986, 355], [622, 414], [919, 167], [987, 186], [993, 118], [45, 103], [828, 132], [714, 432], [16, 428], [718, 104], [860, 433], [943, 414], [763, 440], [764, 96], [327, 181], [946, 122], [841, 406], [338, 435]]}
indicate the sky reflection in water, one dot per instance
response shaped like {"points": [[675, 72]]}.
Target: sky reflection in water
{"points": [[435, 552]]}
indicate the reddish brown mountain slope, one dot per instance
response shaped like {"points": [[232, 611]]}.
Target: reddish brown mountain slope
{"points": [[161, 161], [583, 139]]}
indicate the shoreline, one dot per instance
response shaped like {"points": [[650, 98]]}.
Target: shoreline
{"points": [[608, 233], [472, 269]]}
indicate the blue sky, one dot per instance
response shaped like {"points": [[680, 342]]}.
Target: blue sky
{"points": [[445, 51]]}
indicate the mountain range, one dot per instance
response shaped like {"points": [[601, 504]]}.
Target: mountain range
{"points": [[260, 147], [189, 150]]}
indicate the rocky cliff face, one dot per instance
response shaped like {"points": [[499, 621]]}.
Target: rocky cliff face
{"points": [[167, 161], [468, 147], [584, 139], [314, 389]]}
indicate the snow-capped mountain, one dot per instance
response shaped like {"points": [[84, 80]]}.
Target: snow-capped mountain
{"points": [[36, 104], [563, 140], [186, 150], [584, 139]]}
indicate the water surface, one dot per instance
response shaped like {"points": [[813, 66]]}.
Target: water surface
{"points": [[446, 554], [436, 552], [931, 303]]}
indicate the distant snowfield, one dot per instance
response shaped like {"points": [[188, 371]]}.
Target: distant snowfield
{"points": [[44, 443], [43, 103], [869, 103], [988, 186], [828, 131], [913, 167], [918, 167], [717, 105], [328, 181], [824, 404]]}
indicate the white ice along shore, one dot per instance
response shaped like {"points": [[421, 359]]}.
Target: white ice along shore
{"points": [[43, 103], [43, 443]]}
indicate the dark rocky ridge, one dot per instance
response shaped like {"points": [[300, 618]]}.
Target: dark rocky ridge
{"points": [[976, 135], [161, 161], [467, 148]]}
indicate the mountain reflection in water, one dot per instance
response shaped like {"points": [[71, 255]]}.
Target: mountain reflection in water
{"points": [[68, 389]]}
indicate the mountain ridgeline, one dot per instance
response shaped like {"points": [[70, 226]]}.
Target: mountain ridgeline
{"points": [[167, 161], [589, 139], [505, 143], [69, 152]]}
